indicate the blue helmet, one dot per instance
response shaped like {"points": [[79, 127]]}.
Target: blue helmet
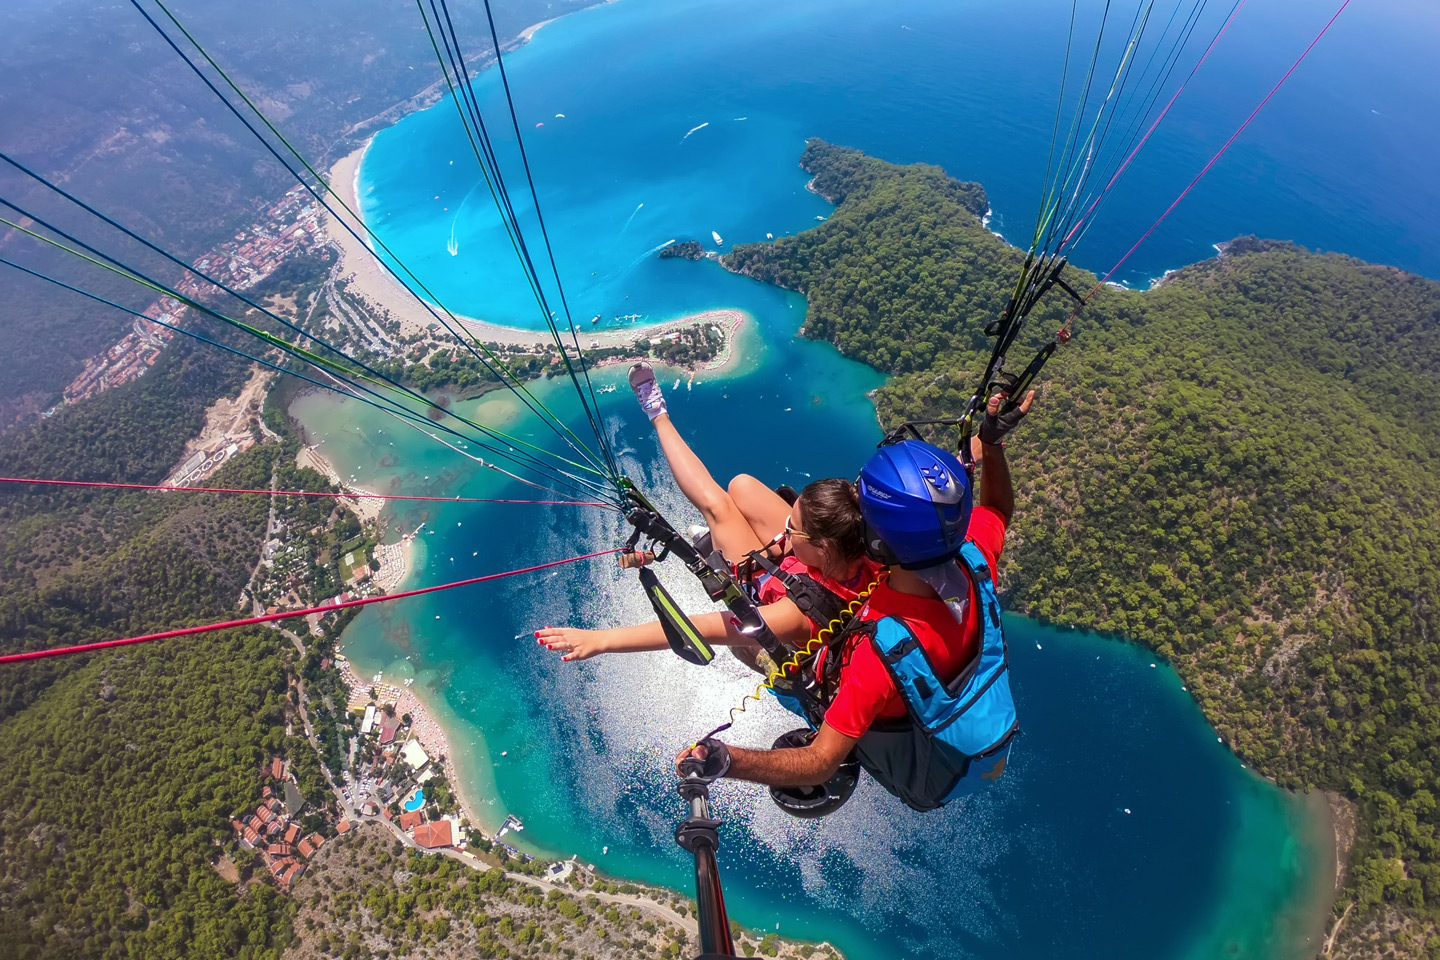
{"points": [[915, 499]]}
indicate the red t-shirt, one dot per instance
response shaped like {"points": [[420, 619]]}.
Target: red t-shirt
{"points": [[772, 590], [865, 692]]}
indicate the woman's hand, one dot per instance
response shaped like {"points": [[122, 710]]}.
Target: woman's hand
{"points": [[573, 643]]}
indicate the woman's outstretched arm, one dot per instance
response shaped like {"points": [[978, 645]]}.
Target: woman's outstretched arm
{"points": [[783, 617]]}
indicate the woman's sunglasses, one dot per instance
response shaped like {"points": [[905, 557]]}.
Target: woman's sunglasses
{"points": [[792, 532]]}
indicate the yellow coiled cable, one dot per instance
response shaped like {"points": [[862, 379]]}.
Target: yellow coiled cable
{"points": [[813, 645]]}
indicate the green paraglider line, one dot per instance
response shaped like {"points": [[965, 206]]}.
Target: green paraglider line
{"points": [[407, 416], [324, 363], [514, 383], [346, 495]]}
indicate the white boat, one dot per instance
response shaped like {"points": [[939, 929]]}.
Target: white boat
{"points": [[769, 236], [718, 240]]}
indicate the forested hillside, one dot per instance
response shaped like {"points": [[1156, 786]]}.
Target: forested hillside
{"points": [[123, 769], [94, 99], [1237, 469]]}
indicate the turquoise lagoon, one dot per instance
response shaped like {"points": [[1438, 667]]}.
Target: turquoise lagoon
{"points": [[1123, 828]]}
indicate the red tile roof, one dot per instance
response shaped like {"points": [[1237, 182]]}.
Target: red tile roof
{"points": [[343, 826], [277, 768], [275, 828], [250, 836], [293, 833], [279, 850], [389, 724], [264, 813], [434, 834], [387, 814], [306, 850], [266, 792], [293, 873], [255, 823], [277, 867], [239, 827], [410, 818], [315, 840]]}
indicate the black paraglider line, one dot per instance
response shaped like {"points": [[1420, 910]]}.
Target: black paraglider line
{"points": [[130, 273], [1037, 275], [250, 302], [514, 383], [394, 412], [591, 404]]}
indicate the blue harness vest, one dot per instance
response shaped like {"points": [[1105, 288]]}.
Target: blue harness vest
{"points": [[956, 736]]}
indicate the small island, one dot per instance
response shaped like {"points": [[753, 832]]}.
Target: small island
{"points": [[688, 249]]}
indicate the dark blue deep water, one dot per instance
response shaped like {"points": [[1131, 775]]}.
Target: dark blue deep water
{"points": [[1122, 827]]}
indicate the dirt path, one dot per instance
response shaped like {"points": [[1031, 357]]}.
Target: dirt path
{"points": [[1335, 931], [228, 420]]}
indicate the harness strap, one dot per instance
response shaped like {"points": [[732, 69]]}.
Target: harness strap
{"points": [[681, 634], [819, 603], [929, 699]]}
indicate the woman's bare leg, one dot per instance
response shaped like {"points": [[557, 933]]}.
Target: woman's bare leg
{"points": [[730, 531], [763, 508]]}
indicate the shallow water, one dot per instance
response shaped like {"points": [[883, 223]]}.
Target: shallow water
{"points": [[1122, 826], [1208, 858]]}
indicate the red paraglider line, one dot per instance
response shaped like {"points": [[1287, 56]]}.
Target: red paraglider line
{"points": [[286, 615], [1218, 154], [1146, 139]]}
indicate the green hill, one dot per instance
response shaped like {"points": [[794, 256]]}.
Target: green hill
{"points": [[1237, 469]]}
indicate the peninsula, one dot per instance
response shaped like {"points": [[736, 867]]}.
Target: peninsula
{"points": [[1182, 485]]}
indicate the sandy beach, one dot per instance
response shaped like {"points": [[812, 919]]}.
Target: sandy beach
{"points": [[392, 560], [371, 281]]}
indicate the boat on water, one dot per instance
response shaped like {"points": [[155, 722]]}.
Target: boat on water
{"points": [[718, 240], [595, 319], [512, 822], [769, 236]]}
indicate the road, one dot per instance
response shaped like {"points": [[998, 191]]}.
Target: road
{"points": [[659, 910]]}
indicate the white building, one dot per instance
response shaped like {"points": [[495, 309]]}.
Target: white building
{"points": [[368, 723], [414, 754]]}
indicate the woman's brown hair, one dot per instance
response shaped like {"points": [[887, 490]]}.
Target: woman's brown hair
{"points": [[830, 511]]}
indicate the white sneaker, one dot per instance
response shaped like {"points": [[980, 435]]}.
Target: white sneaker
{"points": [[647, 391]]}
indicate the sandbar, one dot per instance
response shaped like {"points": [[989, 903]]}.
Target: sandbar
{"points": [[368, 279]]}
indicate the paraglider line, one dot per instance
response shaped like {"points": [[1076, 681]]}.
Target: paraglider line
{"points": [[286, 614], [1218, 154], [299, 493]]}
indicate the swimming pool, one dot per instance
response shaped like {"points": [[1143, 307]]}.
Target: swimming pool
{"points": [[416, 801]]}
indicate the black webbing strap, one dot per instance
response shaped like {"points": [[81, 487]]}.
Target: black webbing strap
{"points": [[820, 604], [682, 635], [712, 572]]}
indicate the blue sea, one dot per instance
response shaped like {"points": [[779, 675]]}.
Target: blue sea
{"points": [[1123, 827]]}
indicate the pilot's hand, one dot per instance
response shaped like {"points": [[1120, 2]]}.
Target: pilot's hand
{"points": [[994, 426], [713, 756]]}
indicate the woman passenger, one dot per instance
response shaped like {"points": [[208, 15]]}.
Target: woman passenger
{"points": [[819, 536]]}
